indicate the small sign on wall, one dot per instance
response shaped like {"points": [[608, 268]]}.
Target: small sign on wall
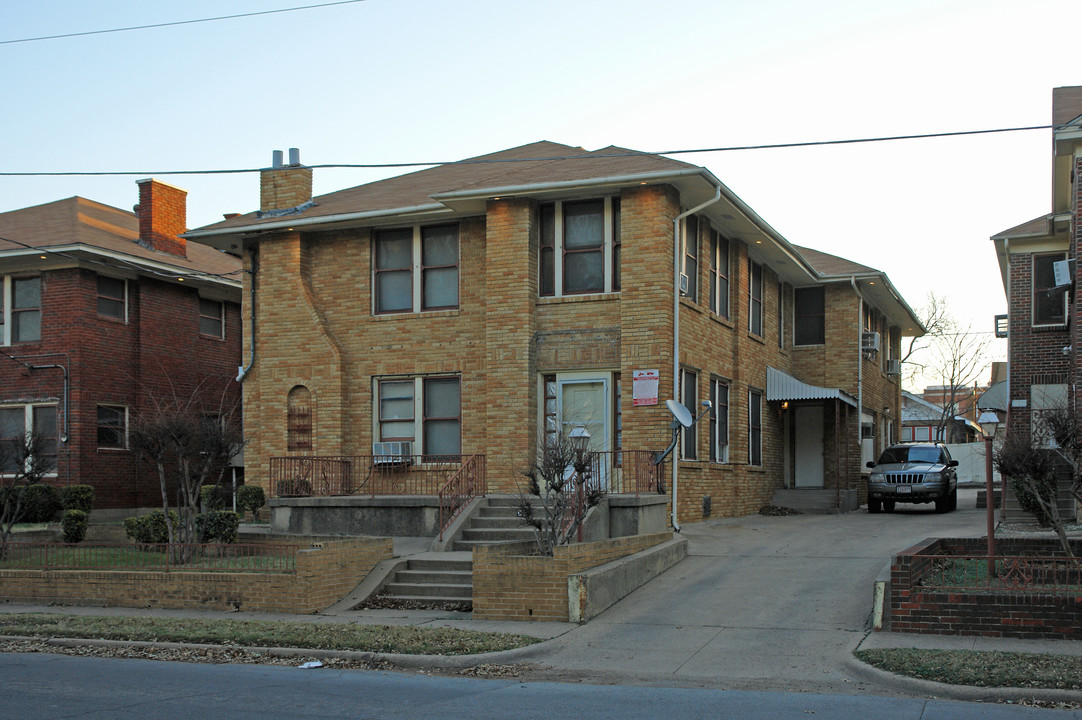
{"points": [[644, 387]]}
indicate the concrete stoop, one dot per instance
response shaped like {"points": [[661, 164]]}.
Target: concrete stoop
{"points": [[495, 521], [817, 501]]}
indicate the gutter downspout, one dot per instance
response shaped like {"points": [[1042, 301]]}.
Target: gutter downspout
{"points": [[243, 370], [676, 327], [860, 381]]}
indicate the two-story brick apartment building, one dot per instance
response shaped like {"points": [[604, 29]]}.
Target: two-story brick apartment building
{"points": [[1043, 311], [475, 307], [102, 309]]}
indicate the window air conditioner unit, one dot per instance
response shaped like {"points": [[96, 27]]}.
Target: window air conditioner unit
{"points": [[683, 284], [1061, 271], [894, 367], [869, 342], [392, 453]]}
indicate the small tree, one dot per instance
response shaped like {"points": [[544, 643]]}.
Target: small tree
{"points": [[189, 445], [561, 486], [23, 462], [1034, 465]]}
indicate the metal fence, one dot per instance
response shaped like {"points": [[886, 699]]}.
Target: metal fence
{"points": [[1014, 574], [175, 557], [305, 476]]}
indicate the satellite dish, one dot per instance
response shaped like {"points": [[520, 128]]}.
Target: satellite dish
{"points": [[681, 413]]}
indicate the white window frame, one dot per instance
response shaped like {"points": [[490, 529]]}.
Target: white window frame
{"points": [[755, 443], [719, 445], [1033, 291], [558, 249], [7, 302], [28, 426], [752, 300], [418, 408], [416, 270], [689, 436], [691, 261]]}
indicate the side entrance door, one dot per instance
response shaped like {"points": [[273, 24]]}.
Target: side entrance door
{"points": [[809, 446]]}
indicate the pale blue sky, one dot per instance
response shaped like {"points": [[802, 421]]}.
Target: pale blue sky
{"points": [[421, 80]]}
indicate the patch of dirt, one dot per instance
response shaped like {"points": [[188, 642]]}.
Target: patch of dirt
{"points": [[777, 511], [383, 602]]}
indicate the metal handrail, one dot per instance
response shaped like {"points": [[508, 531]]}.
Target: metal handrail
{"points": [[454, 495]]}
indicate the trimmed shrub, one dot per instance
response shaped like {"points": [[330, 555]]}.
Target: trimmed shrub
{"points": [[218, 526], [74, 523], [150, 529], [77, 497], [251, 497], [42, 503], [215, 497]]}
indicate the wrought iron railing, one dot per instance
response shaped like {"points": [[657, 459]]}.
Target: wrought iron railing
{"points": [[1013, 574], [304, 476], [466, 484], [175, 557]]}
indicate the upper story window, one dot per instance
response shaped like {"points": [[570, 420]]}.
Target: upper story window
{"points": [[20, 319], [691, 256], [781, 315], [579, 252], [1049, 306], [755, 299], [718, 269], [112, 297], [416, 269], [809, 317], [211, 318]]}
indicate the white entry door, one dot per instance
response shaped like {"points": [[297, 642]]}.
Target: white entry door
{"points": [[809, 446], [584, 400]]}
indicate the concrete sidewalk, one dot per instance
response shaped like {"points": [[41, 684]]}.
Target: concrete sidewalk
{"points": [[760, 603]]}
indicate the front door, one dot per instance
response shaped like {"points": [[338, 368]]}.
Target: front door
{"points": [[583, 400], [809, 446]]}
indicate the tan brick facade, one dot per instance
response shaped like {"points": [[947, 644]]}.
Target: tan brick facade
{"points": [[317, 328]]}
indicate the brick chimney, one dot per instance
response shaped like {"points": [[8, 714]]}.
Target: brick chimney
{"points": [[284, 187], [163, 216]]}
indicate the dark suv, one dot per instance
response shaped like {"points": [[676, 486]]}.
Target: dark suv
{"points": [[913, 473]]}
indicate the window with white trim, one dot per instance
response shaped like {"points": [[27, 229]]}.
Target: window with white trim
{"points": [[423, 410], [415, 269], [112, 426], [1049, 304], [14, 423], [755, 427], [719, 420], [211, 318], [579, 249], [691, 256], [112, 297], [20, 310]]}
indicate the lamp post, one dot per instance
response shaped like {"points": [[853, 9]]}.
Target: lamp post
{"points": [[579, 437], [989, 421]]}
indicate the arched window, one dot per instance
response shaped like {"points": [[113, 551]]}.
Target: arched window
{"points": [[299, 421]]}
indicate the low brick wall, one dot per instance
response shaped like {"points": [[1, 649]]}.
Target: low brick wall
{"points": [[511, 584], [325, 572], [1018, 614]]}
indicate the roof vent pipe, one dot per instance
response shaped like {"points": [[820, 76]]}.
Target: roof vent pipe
{"points": [[276, 159], [294, 156]]}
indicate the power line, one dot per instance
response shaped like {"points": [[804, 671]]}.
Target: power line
{"points": [[178, 22], [492, 161]]}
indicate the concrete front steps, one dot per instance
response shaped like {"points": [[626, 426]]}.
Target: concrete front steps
{"points": [[431, 579], [496, 521]]}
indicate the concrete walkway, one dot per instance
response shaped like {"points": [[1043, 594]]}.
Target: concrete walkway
{"points": [[761, 603]]}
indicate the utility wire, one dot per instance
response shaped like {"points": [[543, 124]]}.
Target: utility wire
{"points": [[493, 161], [178, 22]]}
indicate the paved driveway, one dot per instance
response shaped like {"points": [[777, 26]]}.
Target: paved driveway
{"points": [[760, 602]]}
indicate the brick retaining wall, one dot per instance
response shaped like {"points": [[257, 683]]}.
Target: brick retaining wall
{"points": [[986, 613], [325, 573]]}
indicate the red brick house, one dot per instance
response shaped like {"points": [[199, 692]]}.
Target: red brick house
{"points": [[474, 308], [1037, 261], [100, 309]]}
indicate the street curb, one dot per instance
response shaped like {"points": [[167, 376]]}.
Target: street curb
{"points": [[407, 661], [969, 693]]}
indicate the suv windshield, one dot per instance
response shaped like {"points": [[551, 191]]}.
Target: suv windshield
{"points": [[915, 454]]}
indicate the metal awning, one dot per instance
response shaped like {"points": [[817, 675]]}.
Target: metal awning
{"points": [[783, 386], [995, 397]]}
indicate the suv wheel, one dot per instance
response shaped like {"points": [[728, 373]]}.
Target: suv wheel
{"points": [[888, 506], [954, 499], [875, 506], [943, 504]]}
